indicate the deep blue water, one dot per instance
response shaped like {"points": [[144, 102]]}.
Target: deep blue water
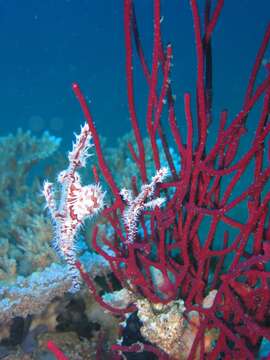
{"points": [[48, 44]]}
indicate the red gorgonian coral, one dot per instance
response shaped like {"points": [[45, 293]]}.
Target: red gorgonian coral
{"points": [[198, 240]]}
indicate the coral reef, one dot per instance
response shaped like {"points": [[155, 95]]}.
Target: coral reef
{"points": [[32, 294], [171, 329], [25, 231], [188, 247], [33, 284]]}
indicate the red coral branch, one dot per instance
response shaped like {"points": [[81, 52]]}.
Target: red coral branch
{"points": [[56, 351], [213, 232]]}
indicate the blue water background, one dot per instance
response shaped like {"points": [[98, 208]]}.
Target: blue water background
{"points": [[47, 45]]}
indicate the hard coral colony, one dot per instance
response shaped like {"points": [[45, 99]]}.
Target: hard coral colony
{"points": [[196, 272]]}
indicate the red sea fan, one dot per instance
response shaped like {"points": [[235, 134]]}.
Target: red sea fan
{"points": [[204, 191], [196, 242]]}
